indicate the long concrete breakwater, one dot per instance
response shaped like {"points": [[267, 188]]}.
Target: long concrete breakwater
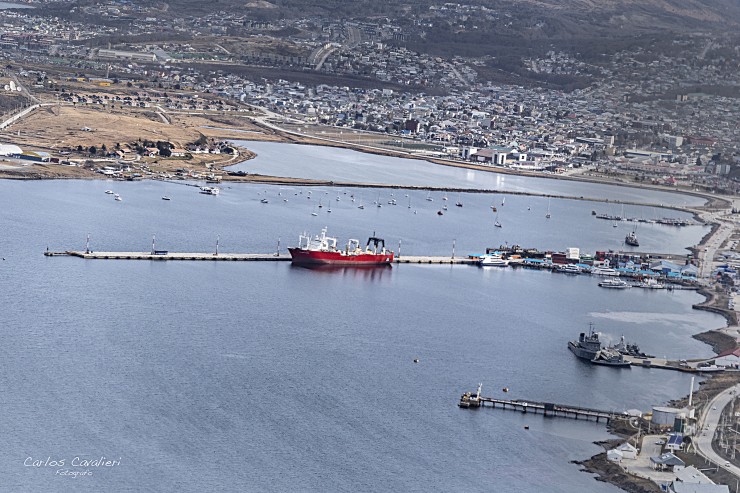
{"points": [[236, 257]]}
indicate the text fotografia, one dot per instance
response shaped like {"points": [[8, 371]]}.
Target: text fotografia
{"points": [[64, 467]]}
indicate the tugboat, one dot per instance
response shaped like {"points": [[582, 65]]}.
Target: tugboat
{"points": [[323, 250], [631, 239], [588, 347]]}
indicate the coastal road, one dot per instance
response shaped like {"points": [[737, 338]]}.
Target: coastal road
{"points": [[708, 422], [708, 252]]}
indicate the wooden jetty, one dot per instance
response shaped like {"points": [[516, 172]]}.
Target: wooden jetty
{"points": [[471, 400]]}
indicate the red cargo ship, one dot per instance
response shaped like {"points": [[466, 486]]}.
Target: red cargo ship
{"points": [[323, 250]]}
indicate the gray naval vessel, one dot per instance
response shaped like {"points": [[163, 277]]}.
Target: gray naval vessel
{"points": [[588, 347]]}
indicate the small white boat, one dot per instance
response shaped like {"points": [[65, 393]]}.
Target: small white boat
{"points": [[166, 198], [118, 198], [264, 201], [210, 190], [497, 224], [109, 192], [314, 214]]}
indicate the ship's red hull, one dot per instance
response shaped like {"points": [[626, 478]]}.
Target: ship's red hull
{"points": [[314, 257]]}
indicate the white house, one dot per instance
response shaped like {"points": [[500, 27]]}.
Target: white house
{"points": [[614, 455], [628, 451]]}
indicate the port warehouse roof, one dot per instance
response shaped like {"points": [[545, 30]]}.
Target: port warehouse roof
{"points": [[9, 149], [667, 459], [674, 441]]}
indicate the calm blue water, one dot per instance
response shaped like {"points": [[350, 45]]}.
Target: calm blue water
{"points": [[328, 163], [206, 376]]}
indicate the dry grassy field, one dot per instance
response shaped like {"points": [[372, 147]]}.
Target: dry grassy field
{"points": [[55, 127]]}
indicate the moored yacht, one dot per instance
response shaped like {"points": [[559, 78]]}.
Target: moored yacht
{"points": [[493, 260], [651, 283], [569, 269], [604, 271]]}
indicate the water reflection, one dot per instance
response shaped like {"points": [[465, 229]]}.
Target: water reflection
{"points": [[371, 272]]}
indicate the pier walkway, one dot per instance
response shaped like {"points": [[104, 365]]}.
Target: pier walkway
{"points": [[165, 255], [470, 400]]}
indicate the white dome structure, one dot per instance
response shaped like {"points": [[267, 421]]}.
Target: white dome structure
{"points": [[9, 149]]}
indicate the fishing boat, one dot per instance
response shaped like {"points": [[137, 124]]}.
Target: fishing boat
{"points": [[322, 249], [264, 201]]}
